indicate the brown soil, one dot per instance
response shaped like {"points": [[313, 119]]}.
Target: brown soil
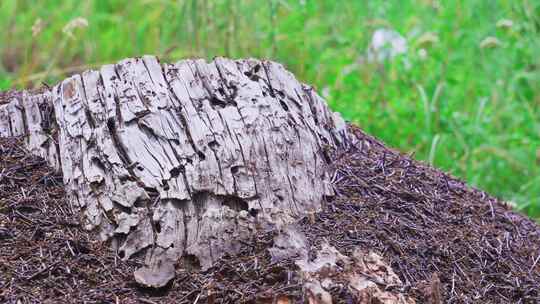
{"points": [[423, 222]]}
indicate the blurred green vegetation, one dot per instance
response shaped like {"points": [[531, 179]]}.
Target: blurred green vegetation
{"points": [[473, 111]]}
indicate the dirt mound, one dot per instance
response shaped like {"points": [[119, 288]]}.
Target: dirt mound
{"points": [[440, 237]]}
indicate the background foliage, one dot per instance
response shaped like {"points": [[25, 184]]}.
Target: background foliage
{"points": [[468, 105]]}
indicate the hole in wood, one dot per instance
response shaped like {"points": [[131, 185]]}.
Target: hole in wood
{"points": [[214, 101], [256, 68], [165, 184], [121, 207], [235, 203], [175, 172], [253, 212], [213, 145], [235, 169], [191, 263], [251, 76]]}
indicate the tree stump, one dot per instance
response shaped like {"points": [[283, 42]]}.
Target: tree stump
{"points": [[181, 160]]}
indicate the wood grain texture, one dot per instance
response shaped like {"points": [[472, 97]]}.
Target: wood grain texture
{"points": [[184, 159]]}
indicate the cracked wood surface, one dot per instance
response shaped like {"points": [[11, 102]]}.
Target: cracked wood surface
{"points": [[185, 159]]}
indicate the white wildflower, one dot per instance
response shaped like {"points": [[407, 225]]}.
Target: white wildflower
{"points": [[78, 22], [511, 204], [325, 92], [505, 24], [427, 39], [422, 53], [386, 44], [432, 3], [37, 27], [348, 69], [406, 63], [490, 42]]}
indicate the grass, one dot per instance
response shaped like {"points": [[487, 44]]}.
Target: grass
{"points": [[472, 111]]}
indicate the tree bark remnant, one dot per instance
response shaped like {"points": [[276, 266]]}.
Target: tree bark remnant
{"points": [[182, 160]]}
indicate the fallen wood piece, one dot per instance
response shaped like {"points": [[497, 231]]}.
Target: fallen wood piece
{"points": [[185, 159], [363, 274]]}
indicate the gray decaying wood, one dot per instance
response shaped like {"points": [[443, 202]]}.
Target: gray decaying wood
{"points": [[364, 273], [185, 159]]}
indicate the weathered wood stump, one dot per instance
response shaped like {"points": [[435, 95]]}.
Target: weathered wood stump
{"points": [[182, 160]]}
